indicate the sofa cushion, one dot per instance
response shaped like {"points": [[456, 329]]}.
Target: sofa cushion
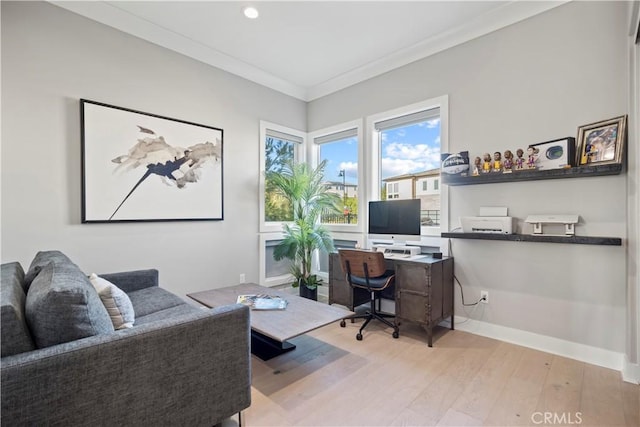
{"points": [[41, 259], [15, 333], [63, 306], [116, 302], [167, 313], [150, 300]]}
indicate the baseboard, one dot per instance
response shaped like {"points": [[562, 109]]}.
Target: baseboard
{"points": [[630, 371], [584, 353]]}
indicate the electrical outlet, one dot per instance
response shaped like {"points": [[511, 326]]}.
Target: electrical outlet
{"points": [[242, 278], [484, 297]]}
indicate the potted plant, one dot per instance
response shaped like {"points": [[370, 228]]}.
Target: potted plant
{"points": [[302, 186]]}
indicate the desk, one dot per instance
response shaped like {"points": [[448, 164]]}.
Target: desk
{"points": [[423, 290]]}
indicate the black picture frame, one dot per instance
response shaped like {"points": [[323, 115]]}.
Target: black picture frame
{"points": [[138, 166]]}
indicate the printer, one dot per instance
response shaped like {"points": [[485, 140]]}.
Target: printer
{"points": [[490, 220]]}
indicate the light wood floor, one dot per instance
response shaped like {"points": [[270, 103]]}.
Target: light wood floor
{"points": [[332, 379]]}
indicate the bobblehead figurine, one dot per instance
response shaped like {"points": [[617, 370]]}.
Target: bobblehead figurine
{"points": [[519, 160], [486, 164], [477, 165], [532, 154], [497, 162], [508, 162]]}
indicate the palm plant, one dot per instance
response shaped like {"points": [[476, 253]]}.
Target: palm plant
{"points": [[302, 186]]}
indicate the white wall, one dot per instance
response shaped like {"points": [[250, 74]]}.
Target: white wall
{"points": [[531, 82], [50, 59]]}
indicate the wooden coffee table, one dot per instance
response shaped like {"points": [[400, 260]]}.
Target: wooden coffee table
{"points": [[270, 329]]}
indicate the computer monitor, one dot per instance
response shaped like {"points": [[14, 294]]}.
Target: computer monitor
{"points": [[396, 220]]}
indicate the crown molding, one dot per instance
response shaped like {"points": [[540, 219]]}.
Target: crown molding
{"points": [[110, 15], [119, 19], [510, 13]]}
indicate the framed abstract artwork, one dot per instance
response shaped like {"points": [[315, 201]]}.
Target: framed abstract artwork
{"points": [[139, 166]]}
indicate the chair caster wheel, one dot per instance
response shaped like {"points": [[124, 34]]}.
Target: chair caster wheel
{"points": [[343, 324], [395, 334], [359, 337]]}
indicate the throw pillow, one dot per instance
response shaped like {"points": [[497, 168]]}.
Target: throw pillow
{"points": [[41, 259], [117, 303], [15, 333], [63, 306]]}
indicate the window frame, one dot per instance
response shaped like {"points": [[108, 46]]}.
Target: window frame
{"points": [[299, 155], [430, 236], [314, 154]]}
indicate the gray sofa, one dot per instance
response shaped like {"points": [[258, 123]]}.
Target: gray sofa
{"points": [[63, 364]]}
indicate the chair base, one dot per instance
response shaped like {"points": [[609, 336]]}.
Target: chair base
{"points": [[368, 316]]}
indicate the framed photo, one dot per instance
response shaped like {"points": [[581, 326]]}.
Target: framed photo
{"points": [[602, 142], [139, 166]]}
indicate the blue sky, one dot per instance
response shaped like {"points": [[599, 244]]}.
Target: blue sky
{"points": [[404, 150]]}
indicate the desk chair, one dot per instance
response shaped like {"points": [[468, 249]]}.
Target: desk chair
{"points": [[367, 270]]}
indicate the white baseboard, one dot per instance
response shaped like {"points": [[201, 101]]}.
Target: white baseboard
{"points": [[584, 353], [630, 371]]}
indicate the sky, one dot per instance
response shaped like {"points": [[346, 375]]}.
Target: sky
{"points": [[409, 149]]}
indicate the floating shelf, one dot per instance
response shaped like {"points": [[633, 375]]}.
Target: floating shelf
{"points": [[575, 240], [533, 175]]}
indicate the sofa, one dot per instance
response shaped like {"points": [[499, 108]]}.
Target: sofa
{"points": [[64, 363]]}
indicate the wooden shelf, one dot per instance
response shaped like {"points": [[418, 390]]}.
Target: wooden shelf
{"points": [[533, 175], [575, 240]]}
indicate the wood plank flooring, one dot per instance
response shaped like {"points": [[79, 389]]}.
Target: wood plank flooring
{"points": [[332, 379]]}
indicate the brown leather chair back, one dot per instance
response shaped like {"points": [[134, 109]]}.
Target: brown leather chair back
{"points": [[357, 258]]}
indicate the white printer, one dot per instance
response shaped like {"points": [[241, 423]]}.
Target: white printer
{"points": [[490, 220]]}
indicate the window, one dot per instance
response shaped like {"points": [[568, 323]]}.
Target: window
{"points": [[340, 147], [340, 150], [278, 145], [405, 158], [392, 191]]}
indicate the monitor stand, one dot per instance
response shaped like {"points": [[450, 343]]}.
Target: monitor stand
{"points": [[397, 248]]}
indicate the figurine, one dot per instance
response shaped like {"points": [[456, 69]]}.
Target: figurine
{"points": [[508, 162], [533, 157], [497, 162], [477, 165], [486, 165], [519, 159]]}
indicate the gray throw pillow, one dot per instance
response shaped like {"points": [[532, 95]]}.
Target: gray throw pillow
{"points": [[15, 333], [41, 259], [63, 306]]}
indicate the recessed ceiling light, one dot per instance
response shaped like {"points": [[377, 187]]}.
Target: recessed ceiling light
{"points": [[250, 12]]}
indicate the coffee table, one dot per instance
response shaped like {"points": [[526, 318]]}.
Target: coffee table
{"points": [[270, 329]]}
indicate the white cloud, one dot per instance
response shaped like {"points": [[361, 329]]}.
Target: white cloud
{"points": [[400, 159], [433, 123], [421, 152], [393, 167], [350, 168]]}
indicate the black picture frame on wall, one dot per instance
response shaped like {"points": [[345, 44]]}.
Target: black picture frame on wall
{"points": [[139, 166]]}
